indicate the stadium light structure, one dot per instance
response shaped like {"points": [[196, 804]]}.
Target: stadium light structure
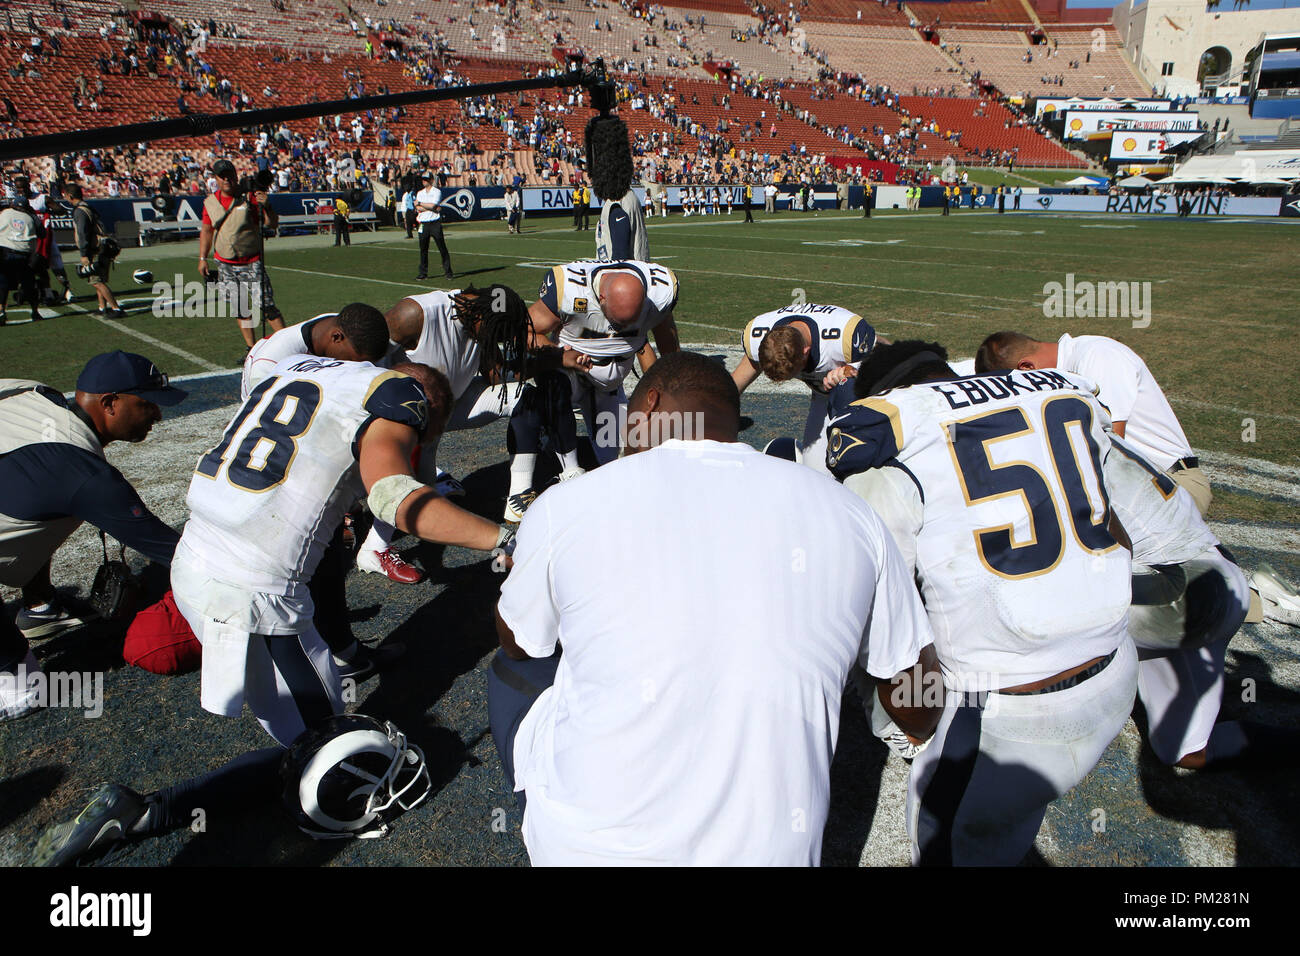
{"points": [[594, 80]]}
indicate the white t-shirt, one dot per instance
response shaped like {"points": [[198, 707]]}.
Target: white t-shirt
{"points": [[1130, 392], [445, 344], [431, 196], [696, 705]]}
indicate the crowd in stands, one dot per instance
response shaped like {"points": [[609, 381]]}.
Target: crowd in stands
{"points": [[516, 138]]}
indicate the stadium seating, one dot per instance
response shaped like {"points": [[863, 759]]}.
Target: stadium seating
{"points": [[861, 12], [999, 57], [988, 125], [756, 56], [308, 50], [315, 24], [894, 56], [960, 12]]}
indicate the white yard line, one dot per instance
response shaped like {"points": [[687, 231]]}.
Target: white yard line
{"points": [[121, 326], [1245, 413], [337, 275]]}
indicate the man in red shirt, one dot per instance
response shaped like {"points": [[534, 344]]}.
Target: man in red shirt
{"points": [[232, 232]]}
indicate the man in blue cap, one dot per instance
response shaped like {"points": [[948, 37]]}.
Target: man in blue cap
{"points": [[55, 476]]}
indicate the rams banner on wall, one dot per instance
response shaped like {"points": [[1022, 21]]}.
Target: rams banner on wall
{"points": [[1079, 123], [1154, 205], [560, 199], [1135, 145]]}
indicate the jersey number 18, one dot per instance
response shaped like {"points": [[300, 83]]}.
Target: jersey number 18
{"points": [[263, 458]]}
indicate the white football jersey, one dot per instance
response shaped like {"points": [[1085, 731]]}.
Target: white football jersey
{"points": [[265, 501], [570, 292], [445, 344], [275, 348], [1160, 518], [839, 337], [1020, 575]]}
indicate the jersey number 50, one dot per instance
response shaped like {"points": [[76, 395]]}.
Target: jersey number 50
{"points": [[263, 458], [982, 481]]}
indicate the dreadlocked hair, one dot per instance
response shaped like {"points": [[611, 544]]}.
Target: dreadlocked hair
{"points": [[497, 319]]}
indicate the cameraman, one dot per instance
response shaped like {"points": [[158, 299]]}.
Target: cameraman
{"points": [[97, 252], [233, 218]]}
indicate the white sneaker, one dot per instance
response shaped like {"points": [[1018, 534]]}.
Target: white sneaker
{"points": [[570, 473], [20, 689], [1281, 604], [516, 505]]}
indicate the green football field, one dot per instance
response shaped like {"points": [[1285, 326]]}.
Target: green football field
{"points": [[1218, 340]]}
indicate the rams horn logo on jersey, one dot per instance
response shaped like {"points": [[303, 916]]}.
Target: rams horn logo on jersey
{"points": [[838, 445], [420, 409], [461, 202]]}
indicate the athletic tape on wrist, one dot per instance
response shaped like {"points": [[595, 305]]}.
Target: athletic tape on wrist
{"points": [[388, 493]]}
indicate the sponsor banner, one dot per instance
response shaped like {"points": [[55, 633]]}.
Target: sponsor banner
{"points": [[1155, 205], [1056, 105], [1079, 123], [1135, 145]]}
